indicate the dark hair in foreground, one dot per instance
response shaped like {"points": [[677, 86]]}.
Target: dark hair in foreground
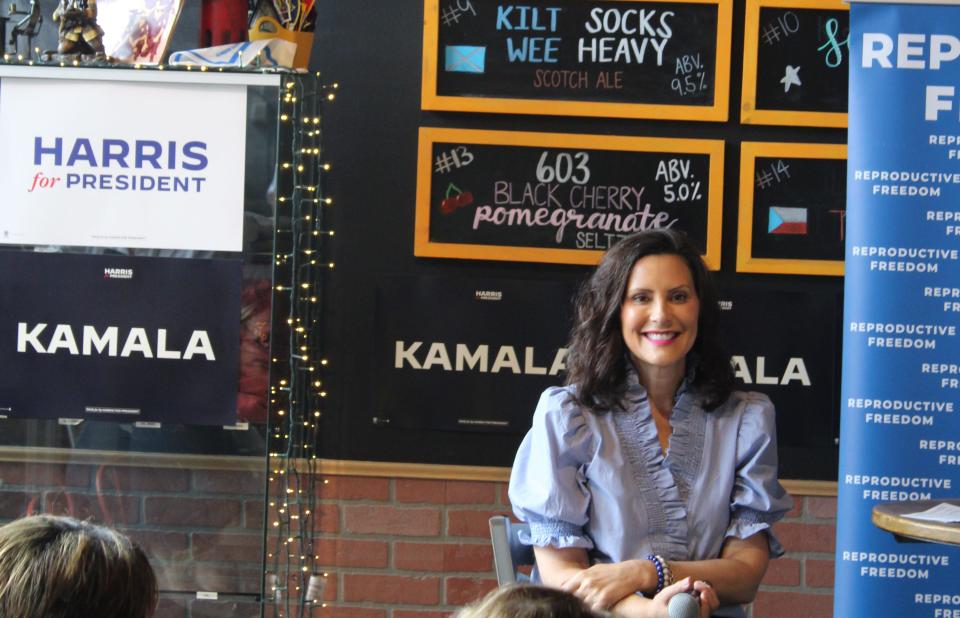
{"points": [[60, 567], [526, 601], [597, 360]]}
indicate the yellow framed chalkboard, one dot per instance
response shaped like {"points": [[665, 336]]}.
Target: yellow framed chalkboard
{"points": [[561, 198], [795, 57], [792, 208], [661, 59]]}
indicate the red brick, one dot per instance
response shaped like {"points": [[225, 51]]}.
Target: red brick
{"points": [[798, 537], [470, 492], [230, 547], [163, 545], [418, 556], [468, 557], [236, 578], [822, 507], [362, 519], [136, 479], [445, 492], [44, 475], [419, 613], [107, 509], [792, 605], [420, 490], [229, 482], [472, 523], [328, 518], [463, 590], [392, 589], [797, 509], [192, 512], [335, 611], [503, 495], [352, 488], [253, 514], [15, 504], [350, 553], [818, 573], [783, 572]]}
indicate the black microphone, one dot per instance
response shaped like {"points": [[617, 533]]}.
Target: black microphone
{"points": [[683, 605]]}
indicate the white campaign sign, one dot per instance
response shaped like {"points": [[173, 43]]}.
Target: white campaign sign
{"points": [[122, 164]]}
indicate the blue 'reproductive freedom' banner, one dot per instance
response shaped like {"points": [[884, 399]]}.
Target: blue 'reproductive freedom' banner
{"points": [[900, 423]]}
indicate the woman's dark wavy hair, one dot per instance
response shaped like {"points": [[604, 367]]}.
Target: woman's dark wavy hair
{"points": [[597, 362]]}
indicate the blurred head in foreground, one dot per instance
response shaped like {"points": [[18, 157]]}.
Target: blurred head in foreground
{"points": [[527, 601], [60, 567]]}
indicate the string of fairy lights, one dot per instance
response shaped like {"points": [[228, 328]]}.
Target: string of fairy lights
{"points": [[293, 582]]}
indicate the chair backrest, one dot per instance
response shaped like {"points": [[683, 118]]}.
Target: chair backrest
{"points": [[508, 552]]}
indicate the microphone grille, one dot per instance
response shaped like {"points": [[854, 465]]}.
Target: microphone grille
{"points": [[683, 605]]}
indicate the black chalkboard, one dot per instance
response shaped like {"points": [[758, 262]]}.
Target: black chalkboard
{"points": [[793, 207], [560, 198], [645, 53], [796, 64]]}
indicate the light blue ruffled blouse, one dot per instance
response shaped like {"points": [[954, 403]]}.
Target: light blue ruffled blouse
{"points": [[601, 482]]}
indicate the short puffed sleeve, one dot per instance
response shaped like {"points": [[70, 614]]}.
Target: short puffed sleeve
{"points": [[547, 484], [758, 499]]}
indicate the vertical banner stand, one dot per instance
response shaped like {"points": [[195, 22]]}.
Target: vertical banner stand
{"points": [[900, 424]]}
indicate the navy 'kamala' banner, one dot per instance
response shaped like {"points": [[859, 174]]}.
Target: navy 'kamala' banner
{"points": [[119, 338], [900, 403]]}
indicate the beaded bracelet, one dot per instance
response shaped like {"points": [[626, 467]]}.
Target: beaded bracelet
{"points": [[659, 567], [667, 573]]}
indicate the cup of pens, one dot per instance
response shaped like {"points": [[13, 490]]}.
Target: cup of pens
{"points": [[289, 20]]}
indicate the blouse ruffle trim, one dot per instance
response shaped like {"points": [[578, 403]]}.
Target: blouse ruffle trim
{"points": [[747, 522], [666, 511], [689, 431], [557, 534]]}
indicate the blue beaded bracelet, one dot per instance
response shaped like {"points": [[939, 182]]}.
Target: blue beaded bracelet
{"points": [[659, 567]]}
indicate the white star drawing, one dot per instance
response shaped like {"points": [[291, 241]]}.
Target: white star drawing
{"points": [[790, 77]]}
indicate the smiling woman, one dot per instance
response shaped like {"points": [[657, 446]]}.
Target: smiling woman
{"points": [[646, 475]]}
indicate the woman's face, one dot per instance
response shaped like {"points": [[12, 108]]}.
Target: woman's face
{"points": [[659, 313]]}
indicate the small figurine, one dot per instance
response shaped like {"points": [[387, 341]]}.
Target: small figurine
{"points": [[29, 26], [79, 33]]}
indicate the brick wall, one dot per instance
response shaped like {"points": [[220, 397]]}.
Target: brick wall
{"points": [[202, 529], [404, 547], [391, 547]]}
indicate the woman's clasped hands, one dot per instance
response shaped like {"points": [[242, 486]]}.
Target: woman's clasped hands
{"points": [[614, 586]]}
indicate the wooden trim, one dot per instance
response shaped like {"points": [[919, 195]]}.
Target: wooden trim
{"points": [[44, 455], [337, 467], [413, 470], [717, 112], [749, 114], [810, 488], [428, 136], [498, 474], [746, 262]]}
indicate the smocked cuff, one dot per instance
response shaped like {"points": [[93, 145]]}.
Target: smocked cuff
{"points": [[557, 534], [746, 522]]}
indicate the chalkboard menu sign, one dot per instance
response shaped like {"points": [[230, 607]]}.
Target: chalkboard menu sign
{"points": [[562, 198], [795, 57], [612, 58], [793, 200]]}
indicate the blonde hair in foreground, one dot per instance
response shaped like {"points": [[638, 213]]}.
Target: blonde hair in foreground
{"points": [[528, 601], [60, 567]]}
